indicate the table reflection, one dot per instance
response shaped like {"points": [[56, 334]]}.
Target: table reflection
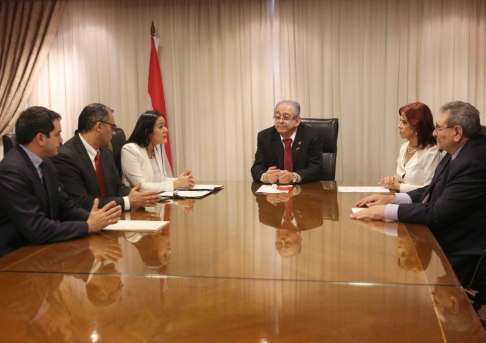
{"points": [[303, 208]]}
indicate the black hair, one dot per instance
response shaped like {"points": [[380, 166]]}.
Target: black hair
{"points": [[144, 127], [35, 120]]}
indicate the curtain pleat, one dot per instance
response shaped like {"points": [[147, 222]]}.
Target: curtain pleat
{"points": [[225, 63], [26, 31]]}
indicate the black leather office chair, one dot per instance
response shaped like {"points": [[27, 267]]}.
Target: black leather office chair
{"points": [[483, 130], [9, 141], [330, 129], [115, 147]]}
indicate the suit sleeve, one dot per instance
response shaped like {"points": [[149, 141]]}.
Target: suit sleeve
{"points": [[465, 190], [314, 169], [23, 209], [132, 170], [260, 165], [74, 183]]}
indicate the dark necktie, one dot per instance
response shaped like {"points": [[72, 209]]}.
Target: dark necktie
{"points": [[46, 185], [99, 174], [443, 175], [288, 163]]}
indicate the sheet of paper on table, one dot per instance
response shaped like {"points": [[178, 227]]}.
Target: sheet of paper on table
{"points": [[187, 194], [137, 225], [268, 189], [343, 189]]}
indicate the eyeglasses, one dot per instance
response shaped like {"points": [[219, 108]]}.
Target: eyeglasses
{"points": [[284, 118], [113, 126], [439, 129]]}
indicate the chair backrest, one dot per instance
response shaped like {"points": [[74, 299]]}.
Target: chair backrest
{"points": [[330, 129], [483, 130], [116, 145], [9, 141]]}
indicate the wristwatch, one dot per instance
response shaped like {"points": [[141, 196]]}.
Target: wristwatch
{"points": [[294, 178]]}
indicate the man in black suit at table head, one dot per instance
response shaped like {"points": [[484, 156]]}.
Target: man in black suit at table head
{"points": [[87, 168], [288, 152], [33, 207], [453, 206]]}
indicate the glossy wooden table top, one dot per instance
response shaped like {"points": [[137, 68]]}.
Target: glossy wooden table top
{"points": [[237, 266]]}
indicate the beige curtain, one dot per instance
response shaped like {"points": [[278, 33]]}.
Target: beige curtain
{"points": [[225, 63], [360, 61], [27, 29]]}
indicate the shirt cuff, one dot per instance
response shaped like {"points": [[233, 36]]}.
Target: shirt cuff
{"points": [[298, 178], [391, 212], [261, 179], [402, 198], [127, 203]]}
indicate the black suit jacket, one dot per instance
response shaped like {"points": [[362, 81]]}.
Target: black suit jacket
{"points": [[456, 209], [30, 215], [306, 153], [79, 178]]}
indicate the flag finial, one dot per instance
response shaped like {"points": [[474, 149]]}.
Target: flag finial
{"points": [[152, 29]]}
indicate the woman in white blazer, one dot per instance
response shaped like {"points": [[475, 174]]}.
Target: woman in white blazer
{"points": [[419, 156], [141, 158]]}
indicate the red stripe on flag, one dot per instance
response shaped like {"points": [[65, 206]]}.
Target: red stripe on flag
{"points": [[156, 92]]}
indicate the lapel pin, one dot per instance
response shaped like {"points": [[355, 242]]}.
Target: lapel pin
{"points": [[300, 142]]}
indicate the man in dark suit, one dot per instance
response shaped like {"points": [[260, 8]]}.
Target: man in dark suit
{"points": [[288, 152], [453, 206], [33, 207], [87, 168]]}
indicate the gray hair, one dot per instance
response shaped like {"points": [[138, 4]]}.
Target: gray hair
{"points": [[292, 103], [464, 115]]}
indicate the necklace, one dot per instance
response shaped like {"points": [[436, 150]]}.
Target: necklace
{"points": [[411, 151]]}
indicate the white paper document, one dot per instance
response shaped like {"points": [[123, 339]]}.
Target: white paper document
{"points": [[268, 189], [343, 189], [186, 194], [137, 225], [357, 209]]}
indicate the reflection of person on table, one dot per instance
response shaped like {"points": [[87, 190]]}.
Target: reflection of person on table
{"points": [[154, 248], [414, 253], [34, 300], [289, 216], [454, 311]]}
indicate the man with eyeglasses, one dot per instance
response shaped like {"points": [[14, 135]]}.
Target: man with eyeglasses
{"points": [[288, 152], [453, 205], [34, 208], [87, 168]]}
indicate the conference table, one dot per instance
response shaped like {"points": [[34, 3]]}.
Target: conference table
{"points": [[237, 266]]}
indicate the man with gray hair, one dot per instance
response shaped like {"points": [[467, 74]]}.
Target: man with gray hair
{"points": [[453, 205], [87, 168], [288, 152]]}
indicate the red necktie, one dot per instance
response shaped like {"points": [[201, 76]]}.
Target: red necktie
{"points": [[289, 206], [99, 174], [288, 163]]}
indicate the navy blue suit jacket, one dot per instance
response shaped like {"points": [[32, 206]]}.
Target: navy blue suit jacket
{"points": [[306, 153], [456, 209], [29, 215]]}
